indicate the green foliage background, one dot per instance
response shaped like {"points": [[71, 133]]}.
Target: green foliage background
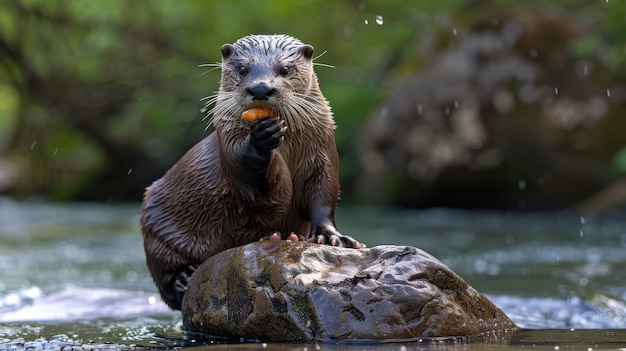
{"points": [[98, 98]]}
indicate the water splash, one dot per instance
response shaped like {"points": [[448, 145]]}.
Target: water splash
{"points": [[75, 303]]}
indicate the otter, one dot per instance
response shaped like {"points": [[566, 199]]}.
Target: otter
{"points": [[275, 178]]}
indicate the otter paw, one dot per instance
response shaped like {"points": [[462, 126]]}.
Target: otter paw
{"points": [[266, 133], [182, 281], [330, 236], [277, 236]]}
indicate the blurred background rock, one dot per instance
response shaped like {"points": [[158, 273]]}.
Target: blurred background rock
{"points": [[473, 104]]}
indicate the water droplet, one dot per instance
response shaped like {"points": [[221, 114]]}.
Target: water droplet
{"points": [[456, 104], [583, 220], [581, 233], [533, 53], [585, 70], [454, 32], [447, 110], [34, 143], [419, 109], [130, 171], [521, 184], [203, 110], [494, 21], [367, 22], [608, 92], [379, 20], [56, 150], [556, 91]]}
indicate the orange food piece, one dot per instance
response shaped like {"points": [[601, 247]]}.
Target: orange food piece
{"points": [[255, 113]]}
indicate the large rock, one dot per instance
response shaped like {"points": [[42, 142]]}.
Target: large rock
{"points": [[510, 114], [295, 291]]}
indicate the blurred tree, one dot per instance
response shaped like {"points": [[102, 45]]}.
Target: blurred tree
{"points": [[98, 99], [517, 105], [102, 97]]}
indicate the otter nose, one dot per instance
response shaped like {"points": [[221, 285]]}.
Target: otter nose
{"points": [[261, 92]]}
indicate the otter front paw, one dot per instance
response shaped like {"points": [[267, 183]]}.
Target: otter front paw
{"points": [[266, 133], [330, 236]]}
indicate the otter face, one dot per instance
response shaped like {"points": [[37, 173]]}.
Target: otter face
{"points": [[267, 70]]}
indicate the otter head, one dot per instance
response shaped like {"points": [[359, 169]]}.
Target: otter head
{"points": [[268, 70]]}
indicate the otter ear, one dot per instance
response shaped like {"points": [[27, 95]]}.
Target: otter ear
{"points": [[306, 50], [227, 50]]}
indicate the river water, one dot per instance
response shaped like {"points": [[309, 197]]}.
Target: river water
{"points": [[73, 276]]}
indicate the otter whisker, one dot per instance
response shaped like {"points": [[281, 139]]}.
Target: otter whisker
{"points": [[208, 71], [212, 96], [306, 103], [320, 55], [224, 102], [321, 64], [225, 105], [216, 65]]}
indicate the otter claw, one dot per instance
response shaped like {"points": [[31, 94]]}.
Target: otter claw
{"points": [[337, 240], [277, 236]]}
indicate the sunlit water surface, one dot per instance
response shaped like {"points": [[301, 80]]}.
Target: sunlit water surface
{"points": [[74, 276]]}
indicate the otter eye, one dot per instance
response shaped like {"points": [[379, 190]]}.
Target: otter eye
{"points": [[284, 71], [242, 70]]}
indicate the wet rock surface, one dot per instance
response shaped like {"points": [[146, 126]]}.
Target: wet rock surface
{"points": [[295, 291]]}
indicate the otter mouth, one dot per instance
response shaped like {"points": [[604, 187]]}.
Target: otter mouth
{"points": [[258, 104]]}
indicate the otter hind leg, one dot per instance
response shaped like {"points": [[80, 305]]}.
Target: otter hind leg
{"points": [[181, 282]]}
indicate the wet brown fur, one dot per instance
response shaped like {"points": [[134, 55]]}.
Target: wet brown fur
{"points": [[208, 201]]}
